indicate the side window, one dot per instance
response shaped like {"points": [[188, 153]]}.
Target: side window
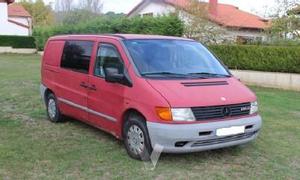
{"points": [[108, 54], [77, 55]]}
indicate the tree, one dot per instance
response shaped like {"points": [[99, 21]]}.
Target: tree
{"points": [[285, 24], [68, 12], [114, 15], [197, 23], [94, 6], [64, 5], [41, 14], [77, 16]]}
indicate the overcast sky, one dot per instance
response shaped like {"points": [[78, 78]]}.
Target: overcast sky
{"points": [[255, 6]]}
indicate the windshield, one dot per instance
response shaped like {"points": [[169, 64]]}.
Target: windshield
{"points": [[174, 58]]}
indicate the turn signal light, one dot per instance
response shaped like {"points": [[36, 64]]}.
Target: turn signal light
{"points": [[164, 113]]}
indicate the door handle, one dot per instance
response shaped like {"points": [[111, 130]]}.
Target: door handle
{"points": [[93, 87], [82, 84]]}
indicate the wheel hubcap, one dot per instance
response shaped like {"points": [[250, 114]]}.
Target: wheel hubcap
{"points": [[51, 108], [135, 137]]}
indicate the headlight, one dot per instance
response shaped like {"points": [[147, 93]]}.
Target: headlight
{"points": [[254, 107], [182, 114]]}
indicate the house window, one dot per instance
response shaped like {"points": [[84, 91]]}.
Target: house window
{"points": [[248, 39], [148, 14]]}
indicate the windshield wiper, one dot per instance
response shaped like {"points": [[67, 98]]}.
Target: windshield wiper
{"points": [[209, 74], [163, 74]]}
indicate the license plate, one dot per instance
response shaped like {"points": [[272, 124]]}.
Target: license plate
{"points": [[230, 131]]}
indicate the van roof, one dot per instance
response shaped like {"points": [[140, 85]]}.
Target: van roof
{"points": [[114, 36]]}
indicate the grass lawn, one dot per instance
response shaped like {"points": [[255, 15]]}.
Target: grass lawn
{"points": [[33, 148]]}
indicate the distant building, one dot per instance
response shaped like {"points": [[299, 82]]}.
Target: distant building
{"points": [[237, 24], [14, 19]]}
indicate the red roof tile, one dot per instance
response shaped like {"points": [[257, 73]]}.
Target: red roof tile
{"points": [[231, 16], [227, 15], [17, 10]]}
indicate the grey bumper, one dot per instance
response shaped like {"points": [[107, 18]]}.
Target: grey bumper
{"points": [[42, 91], [166, 135]]}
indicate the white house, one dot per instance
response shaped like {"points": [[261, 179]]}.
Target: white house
{"points": [[237, 24], [14, 19]]}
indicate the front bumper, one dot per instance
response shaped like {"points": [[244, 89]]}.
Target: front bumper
{"points": [[196, 137]]}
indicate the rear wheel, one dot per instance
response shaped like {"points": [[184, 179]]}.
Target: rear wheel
{"points": [[53, 112], [136, 138]]}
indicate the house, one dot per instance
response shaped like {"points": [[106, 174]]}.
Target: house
{"points": [[238, 25], [14, 19]]}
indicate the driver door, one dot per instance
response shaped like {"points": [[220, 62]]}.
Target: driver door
{"points": [[106, 100]]}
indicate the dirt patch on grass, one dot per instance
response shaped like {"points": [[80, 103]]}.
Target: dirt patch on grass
{"points": [[10, 111], [296, 113]]}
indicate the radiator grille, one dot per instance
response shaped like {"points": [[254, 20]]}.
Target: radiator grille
{"points": [[213, 112]]}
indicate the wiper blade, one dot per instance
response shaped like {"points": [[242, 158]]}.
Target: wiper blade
{"points": [[162, 73], [210, 74]]}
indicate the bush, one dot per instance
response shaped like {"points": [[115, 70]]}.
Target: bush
{"points": [[259, 58], [18, 41], [163, 25]]}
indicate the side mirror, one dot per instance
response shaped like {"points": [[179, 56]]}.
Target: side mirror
{"points": [[112, 75]]}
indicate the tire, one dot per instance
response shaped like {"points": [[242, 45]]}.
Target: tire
{"points": [[136, 138], [53, 112]]}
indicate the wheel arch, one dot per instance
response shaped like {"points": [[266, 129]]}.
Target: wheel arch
{"points": [[126, 115], [46, 93]]}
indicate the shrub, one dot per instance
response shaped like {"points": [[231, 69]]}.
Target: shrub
{"points": [[259, 58], [163, 25], [17, 41]]}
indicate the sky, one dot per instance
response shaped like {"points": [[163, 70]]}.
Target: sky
{"points": [[258, 7]]}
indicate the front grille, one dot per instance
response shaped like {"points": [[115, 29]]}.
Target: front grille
{"points": [[224, 139], [213, 112]]}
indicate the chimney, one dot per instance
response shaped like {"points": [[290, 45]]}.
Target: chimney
{"points": [[3, 11], [213, 7]]}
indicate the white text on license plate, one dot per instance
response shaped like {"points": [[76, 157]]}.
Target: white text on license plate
{"points": [[230, 131]]}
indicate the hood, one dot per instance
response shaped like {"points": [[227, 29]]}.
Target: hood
{"points": [[203, 92]]}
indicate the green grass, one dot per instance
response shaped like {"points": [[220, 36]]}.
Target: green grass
{"points": [[33, 148]]}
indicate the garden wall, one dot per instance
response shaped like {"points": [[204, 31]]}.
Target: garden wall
{"points": [[287, 81]]}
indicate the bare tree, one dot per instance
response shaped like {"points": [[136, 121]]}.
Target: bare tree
{"points": [[94, 6], [64, 5], [285, 22], [282, 7]]}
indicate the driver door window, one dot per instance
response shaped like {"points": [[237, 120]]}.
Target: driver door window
{"points": [[108, 54]]}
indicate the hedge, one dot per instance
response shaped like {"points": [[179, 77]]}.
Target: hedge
{"points": [[243, 57], [259, 58], [18, 41], [163, 25]]}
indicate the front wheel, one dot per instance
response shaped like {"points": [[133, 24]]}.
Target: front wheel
{"points": [[136, 138]]}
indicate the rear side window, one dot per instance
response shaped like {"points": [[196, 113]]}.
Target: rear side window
{"points": [[77, 55]]}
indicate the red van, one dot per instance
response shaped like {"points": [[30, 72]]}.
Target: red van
{"points": [[148, 91]]}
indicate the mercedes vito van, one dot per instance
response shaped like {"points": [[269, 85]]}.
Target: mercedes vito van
{"points": [[148, 91]]}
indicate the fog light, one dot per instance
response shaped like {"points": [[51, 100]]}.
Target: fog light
{"points": [[181, 143]]}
